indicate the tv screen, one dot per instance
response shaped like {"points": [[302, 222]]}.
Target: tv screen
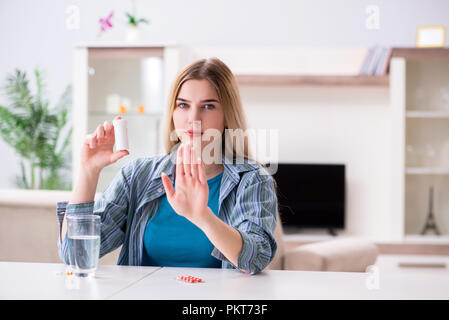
{"points": [[311, 195]]}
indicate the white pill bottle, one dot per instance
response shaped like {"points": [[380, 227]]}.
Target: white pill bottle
{"points": [[121, 134]]}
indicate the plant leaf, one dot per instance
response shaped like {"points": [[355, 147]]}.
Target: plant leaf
{"points": [[143, 20], [34, 130]]}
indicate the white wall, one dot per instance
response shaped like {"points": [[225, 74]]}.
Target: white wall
{"points": [[34, 33], [324, 124], [350, 125], [335, 125]]}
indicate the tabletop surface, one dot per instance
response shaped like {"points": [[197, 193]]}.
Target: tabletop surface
{"points": [[20, 280]]}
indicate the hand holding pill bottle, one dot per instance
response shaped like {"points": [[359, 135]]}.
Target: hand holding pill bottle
{"points": [[97, 152], [98, 149]]}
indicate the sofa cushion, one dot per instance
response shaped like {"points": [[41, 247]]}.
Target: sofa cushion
{"points": [[349, 255]]}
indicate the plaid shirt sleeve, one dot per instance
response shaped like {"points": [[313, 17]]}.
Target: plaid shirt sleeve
{"points": [[257, 204], [254, 216], [112, 207]]}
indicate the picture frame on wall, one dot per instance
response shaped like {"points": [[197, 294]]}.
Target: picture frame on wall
{"points": [[430, 36]]}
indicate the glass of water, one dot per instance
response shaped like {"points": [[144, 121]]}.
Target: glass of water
{"points": [[83, 235]]}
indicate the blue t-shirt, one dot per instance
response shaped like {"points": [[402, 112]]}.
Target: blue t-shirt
{"points": [[171, 240]]}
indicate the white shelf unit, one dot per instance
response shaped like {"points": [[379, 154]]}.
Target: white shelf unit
{"points": [[409, 69], [135, 74], [419, 96], [427, 114]]}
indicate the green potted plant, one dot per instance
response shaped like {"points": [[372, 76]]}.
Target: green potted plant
{"points": [[133, 32], [39, 134]]}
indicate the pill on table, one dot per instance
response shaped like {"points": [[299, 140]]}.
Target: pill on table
{"points": [[189, 279]]}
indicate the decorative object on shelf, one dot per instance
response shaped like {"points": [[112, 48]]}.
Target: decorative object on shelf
{"points": [[39, 134], [105, 23], [133, 32], [424, 156], [430, 155], [430, 36], [420, 156], [91, 71], [412, 156], [112, 103], [134, 21], [377, 61], [125, 105], [430, 224], [116, 103], [141, 109], [444, 97]]}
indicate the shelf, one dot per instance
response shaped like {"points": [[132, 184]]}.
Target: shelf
{"points": [[342, 80], [421, 53], [125, 115], [128, 53], [124, 49], [123, 44], [426, 171], [312, 80], [428, 238], [427, 114]]}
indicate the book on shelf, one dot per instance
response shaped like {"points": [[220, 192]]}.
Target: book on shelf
{"points": [[377, 61], [384, 62]]}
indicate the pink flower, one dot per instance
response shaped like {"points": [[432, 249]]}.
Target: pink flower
{"points": [[106, 22]]}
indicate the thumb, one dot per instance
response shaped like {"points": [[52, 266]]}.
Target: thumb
{"points": [[118, 155], [168, 186]]}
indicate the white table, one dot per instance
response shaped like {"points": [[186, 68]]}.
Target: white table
{"points": [[48, 281], [20, 280]]}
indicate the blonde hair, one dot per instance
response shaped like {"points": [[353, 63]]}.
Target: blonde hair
{"points": [[223, 81]]}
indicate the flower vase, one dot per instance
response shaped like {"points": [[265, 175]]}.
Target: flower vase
{"points": [[133, 33]]}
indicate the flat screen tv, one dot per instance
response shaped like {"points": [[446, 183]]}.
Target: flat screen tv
{"points": [[311, 195]]}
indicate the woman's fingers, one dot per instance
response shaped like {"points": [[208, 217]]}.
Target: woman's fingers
{"points": [[186, 160], [118, 155], [92, 140], [189, 165], [107, 128], [201, 171], [100, 133], [179, 162], [168, 186], [193, 164]]}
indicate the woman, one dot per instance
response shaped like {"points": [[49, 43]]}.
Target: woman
{"points": [[199, 205]]}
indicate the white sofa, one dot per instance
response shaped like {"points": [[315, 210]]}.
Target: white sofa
{"points": [[29, 232], [346, 254]]}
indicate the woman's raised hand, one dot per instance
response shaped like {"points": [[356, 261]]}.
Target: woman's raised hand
{"points": [[192, 192], [97, 151]]}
